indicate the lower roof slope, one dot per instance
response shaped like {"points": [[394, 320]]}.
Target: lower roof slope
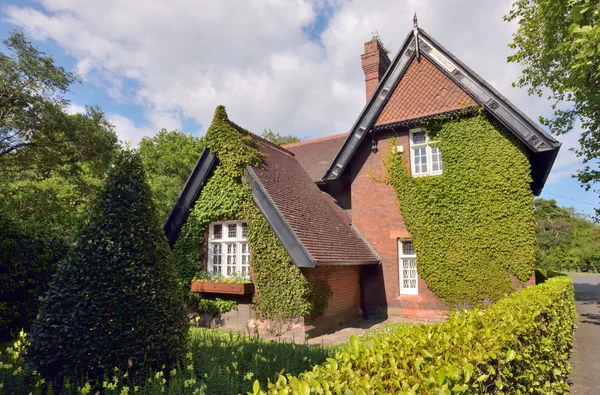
{"points": [[325, 232]]}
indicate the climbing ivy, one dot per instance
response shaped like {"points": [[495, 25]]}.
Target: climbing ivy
{"points": [[282, 290], [472, 225]]}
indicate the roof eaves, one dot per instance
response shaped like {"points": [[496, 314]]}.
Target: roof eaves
{"points": [[418, 120], [538, 141], [284, 232], [190, 192], [529, 132], [375, 254]]}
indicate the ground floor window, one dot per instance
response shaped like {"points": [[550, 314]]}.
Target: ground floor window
{"points": [[409, 284], [228, 249]]}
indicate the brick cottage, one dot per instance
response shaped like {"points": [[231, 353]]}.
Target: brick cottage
{"points": [[333, 218]]}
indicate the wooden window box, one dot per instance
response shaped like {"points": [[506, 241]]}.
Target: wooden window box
{"points": [[223, 288]]}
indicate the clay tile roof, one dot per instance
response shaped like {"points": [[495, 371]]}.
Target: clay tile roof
{"points": [[316, 155], [423, 90], [323, 228]]}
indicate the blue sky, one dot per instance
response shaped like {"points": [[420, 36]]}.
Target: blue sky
{"points": [[289, 66]]}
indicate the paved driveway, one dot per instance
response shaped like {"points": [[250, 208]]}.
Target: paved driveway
{"points": [[586, 349]]}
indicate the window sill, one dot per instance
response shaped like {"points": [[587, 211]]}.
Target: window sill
{"points": [[223, 288], [438, 173]]}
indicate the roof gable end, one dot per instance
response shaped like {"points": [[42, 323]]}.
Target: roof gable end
{"points": [[528, 132]]}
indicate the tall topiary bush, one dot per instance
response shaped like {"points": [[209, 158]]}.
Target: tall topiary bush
{"points": [[114, 300]]}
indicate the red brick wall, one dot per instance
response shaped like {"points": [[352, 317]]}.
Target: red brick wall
{"points": [[375, 62], [345, 286], [376, 215], [518, 286]]}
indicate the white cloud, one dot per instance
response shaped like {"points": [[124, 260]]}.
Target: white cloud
{"points": [[127, 131], [75, 109], [186, 57]]}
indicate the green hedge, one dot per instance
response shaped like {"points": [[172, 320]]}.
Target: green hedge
{"points": [[519, 345]]}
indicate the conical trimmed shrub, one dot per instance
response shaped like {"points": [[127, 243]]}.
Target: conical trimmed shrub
{"points": [[114, 301]]}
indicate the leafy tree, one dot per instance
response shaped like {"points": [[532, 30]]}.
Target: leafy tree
{"points": [[168, 158], [278, 139], [51, 163], [558, 43], [27, 260], [114, 300], [35, 131], [565, 239]]}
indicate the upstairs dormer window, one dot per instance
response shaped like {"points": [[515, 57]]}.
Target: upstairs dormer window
{"points": [[228, 249], [425, 157]]}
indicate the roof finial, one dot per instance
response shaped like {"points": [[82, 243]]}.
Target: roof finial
{"points": [[416, 33]]}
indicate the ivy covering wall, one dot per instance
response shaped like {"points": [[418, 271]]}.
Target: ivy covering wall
{"points": [[472, 225], [282, 291]]}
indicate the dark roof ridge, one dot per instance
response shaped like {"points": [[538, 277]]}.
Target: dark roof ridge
{"points": [[278, 147], [259, 138], [315, 140]]}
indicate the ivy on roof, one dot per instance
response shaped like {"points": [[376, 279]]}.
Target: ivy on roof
{"points": [[283, 293]]}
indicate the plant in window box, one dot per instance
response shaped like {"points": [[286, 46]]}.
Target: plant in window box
{"points": [[219, 278], [217, 283]]}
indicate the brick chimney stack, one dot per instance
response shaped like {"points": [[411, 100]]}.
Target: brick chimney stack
{"points": [[375, 62]]}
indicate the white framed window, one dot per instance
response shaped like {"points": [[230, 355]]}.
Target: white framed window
{"points": [[228, 249], [407, 267], [425, 157]]}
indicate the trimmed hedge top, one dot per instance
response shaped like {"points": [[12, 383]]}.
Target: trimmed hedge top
{"points": [[519, 345]]}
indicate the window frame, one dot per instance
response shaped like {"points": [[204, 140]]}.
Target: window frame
{"points": [[428, 144], [401, 256], [223, 242]]}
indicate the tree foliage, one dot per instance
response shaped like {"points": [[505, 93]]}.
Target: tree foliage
{"points": [[168, 158], [558, 43], [50, 161], [565, 240], [278, 139], [114, 301], [36, 133], [27, 261], [51, 164]]}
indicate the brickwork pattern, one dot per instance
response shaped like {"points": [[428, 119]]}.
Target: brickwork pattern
{"points": [[423, 90], [345, 287], [376, 215], [375, 62]]}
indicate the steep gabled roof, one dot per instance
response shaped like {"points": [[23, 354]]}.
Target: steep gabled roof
{"points": [[309, 227], [543, 148], [326, 233]]}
